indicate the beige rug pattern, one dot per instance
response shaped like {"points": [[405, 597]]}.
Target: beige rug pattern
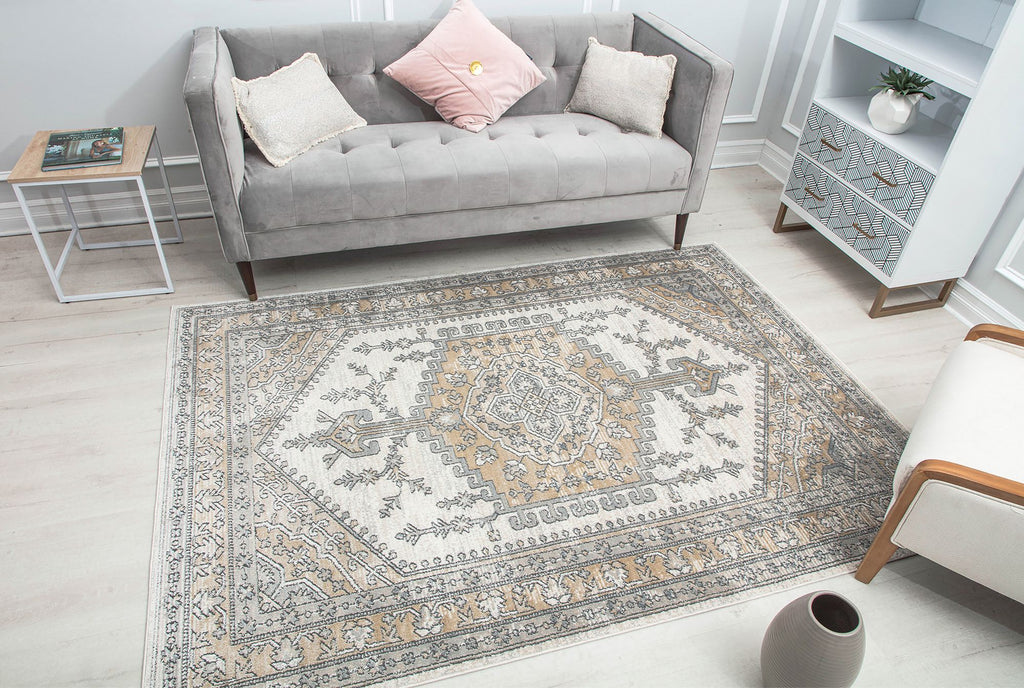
{"points": [[403, 481]]}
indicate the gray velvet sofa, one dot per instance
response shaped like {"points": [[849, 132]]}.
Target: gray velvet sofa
{"points": [[410, 177]]}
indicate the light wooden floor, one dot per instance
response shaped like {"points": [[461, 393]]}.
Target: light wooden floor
{"points": [[81, 391]]}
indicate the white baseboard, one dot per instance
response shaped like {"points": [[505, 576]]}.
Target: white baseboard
{"points": [[737, 153], [761, 152], [971, 306], [775, 161], [114, 208]]}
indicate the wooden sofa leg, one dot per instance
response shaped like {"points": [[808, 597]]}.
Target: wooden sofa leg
{"points": [[245, 270], [882, 547], [878, 555], [680, 230]]}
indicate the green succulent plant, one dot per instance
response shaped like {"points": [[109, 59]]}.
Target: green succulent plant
{"points": [[904, 82]]}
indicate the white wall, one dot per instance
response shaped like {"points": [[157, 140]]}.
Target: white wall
{"points": [[107, 69], [78, 63]]}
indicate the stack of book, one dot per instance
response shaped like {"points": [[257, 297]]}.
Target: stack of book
{"points": [[84, 148]]}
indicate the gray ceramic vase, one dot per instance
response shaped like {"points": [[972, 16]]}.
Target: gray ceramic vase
{"points": [[816, 640]]}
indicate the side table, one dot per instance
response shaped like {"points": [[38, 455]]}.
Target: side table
{"points": [[138, 143]]}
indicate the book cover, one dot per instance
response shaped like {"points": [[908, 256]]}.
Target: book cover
{"points": [[85, 148]]}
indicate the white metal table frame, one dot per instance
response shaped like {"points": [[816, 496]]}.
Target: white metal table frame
{"points": [[55, 272]]}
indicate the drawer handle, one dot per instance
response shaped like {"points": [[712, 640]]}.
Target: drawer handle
{"points": [[883, 179], [808, 190], [832, 146], [869, 236]]}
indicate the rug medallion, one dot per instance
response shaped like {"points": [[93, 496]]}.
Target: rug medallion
{"points": [[365, 485]]}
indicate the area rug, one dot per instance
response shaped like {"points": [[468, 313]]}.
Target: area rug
{"points": [[401, 482]]}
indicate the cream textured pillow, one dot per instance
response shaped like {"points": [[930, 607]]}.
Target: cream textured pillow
{"points": [[467, 69], [291, 110], [628, 89]]}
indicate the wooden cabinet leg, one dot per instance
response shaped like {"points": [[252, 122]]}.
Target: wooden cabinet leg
{"points": [[779, 228], [880, 310], [245, 270], [680, 230]]}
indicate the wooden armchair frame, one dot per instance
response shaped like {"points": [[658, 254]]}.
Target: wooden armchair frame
{"points": [[882, 548]]}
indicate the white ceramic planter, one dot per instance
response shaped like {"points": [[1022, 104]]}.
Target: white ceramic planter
{"points": [[816, 640], [891, 113]]}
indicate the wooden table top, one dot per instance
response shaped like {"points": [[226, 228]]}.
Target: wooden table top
{"points": [[133, 158]]}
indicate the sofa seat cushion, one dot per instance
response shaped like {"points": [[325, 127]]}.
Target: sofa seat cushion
{"points": [[390, 170]]}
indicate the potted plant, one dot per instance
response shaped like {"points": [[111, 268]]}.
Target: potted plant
{"points": [[893, 109]]}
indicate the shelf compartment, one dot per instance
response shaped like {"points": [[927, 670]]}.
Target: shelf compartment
{"points": [[925, 143], [946, 58]]}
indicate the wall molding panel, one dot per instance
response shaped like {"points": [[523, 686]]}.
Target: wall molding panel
{"points": [[389, 15], [113, 208], [801, 72], [1005, 266], [766, 71]]}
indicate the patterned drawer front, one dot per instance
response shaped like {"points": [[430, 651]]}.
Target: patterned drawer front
{"points": [[814, 190], [891, 180], [861, 225]]}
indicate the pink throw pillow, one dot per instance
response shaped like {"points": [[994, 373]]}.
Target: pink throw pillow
{"points": [[467, 69]]}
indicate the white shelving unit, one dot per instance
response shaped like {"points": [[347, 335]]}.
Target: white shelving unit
{"points": [[913, 208]]}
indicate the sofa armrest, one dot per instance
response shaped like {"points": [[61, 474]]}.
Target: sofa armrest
{"points": [[210, 101], [970, 479], [693, 117], [1001, 333]]}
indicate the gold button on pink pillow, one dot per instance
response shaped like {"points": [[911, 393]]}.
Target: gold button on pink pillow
{"points": [[467, 69]]}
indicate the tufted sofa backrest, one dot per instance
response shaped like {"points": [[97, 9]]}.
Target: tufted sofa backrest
{"points": [[355, 54]]}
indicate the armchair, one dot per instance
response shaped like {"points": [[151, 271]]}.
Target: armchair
{"points": [[959, 486]]}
